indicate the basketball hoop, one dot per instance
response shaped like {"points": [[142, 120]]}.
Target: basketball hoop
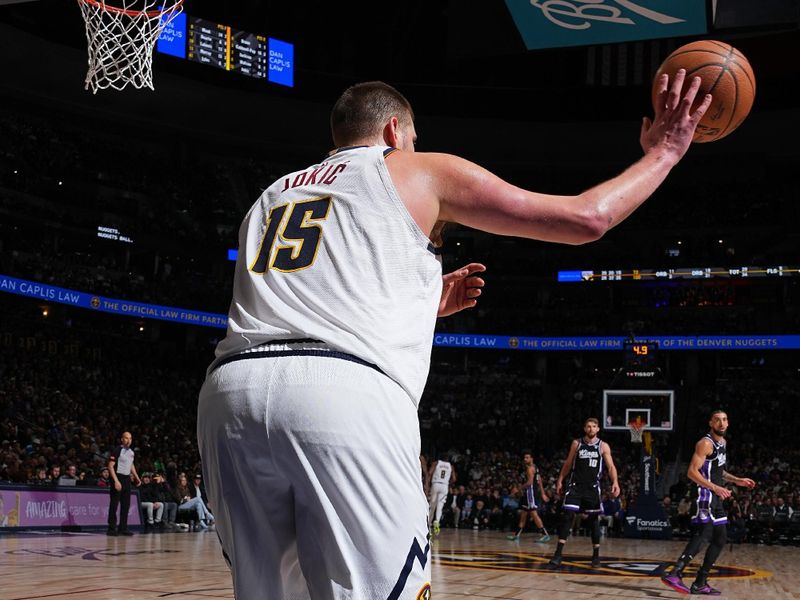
{"points": [[637, 428], [121, 40]]}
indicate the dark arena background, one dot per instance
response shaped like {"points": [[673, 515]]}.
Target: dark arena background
{"points": [[119, 214]]}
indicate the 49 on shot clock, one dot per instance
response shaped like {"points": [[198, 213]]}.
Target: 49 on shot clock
{"points": [[639, 353]]}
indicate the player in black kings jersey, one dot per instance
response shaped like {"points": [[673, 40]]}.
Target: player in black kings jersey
{"points": [[584, 464], [533, 498], [707, 470]]}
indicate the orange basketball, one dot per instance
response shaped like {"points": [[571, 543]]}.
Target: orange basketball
{"points": [[725, 74]]}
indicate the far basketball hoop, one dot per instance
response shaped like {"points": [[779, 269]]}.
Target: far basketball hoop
{"points": [[121, 40], [637, 428]]}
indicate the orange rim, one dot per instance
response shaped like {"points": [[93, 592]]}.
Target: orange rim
{"points": [[132, 13]]}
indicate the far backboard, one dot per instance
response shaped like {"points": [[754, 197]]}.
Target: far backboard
{"points": [[654, 407]]}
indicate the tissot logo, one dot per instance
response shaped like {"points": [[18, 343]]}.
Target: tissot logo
{"points": [[576, 565]]}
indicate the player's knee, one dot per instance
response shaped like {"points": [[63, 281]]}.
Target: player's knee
{"points": [[594, 527], [566, 525], [707, 532], [720, 536]]}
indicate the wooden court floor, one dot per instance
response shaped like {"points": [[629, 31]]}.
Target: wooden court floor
{"points": [[466, 564]]}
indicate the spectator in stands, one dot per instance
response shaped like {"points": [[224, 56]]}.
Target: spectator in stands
{"points": [[166, 497], [104, 480], [782, 508], [55, 474], [611, 516], [200, 492], [670, 510], [152, 507], [459, 496], [70, 475], [682, 517], [737, 527], [780, 519], [188, 501], [39, 476], [510, 504], [495, 510], [466, 508]]}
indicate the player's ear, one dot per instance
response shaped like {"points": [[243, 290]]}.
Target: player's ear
{"points": [[391, 135]]}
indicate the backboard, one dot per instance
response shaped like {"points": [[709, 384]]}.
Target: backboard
{"points": [[655, 407]]}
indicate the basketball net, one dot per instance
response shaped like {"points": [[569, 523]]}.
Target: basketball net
{"points": [[121, 40], [637, 428]]}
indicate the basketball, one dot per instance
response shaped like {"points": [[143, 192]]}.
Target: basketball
{"points": [[726, 75]]}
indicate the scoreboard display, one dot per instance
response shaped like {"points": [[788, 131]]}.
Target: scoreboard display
{"points": [[249, 54], [224, 47], [743, 272], [208, 43]]}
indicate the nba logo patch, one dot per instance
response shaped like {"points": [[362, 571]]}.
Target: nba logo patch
{"points": [[425, 592]]}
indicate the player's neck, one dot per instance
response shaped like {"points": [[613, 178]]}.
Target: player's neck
{"points": [[590, 440], [715, 436]]}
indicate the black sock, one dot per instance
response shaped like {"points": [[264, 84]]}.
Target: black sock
{"points": [[595, 551], [680, 565], [702, 577], [559, 548]]}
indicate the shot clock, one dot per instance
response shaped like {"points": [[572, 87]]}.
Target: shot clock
{"points": [[640, 353]]}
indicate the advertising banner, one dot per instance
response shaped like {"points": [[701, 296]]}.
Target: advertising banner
{"points": [[559, 23], [54, 507], [647, 518], [90, 301]]}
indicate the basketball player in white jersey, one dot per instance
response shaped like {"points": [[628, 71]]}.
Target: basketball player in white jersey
{"points": [[440, 476], [307, 420]]}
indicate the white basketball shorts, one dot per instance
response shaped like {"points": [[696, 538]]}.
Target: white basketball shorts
{"points": [[312, 468], [438, 497]]}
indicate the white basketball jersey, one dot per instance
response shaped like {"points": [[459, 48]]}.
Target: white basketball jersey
{"points": [[441, 473], [331, 253]]}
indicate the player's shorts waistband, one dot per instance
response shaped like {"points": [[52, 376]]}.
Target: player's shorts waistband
{"points": [[296, 347]]}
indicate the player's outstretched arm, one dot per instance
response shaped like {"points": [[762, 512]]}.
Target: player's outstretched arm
{"points": [[612, 469], [442, 187], [702, 450]]}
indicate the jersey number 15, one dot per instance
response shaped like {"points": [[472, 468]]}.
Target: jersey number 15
{"points": [[299, 227]]}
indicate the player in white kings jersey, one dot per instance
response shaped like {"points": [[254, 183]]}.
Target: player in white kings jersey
{"points": [[307, 420]]}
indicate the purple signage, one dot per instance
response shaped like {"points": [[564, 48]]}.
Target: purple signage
{"points": [[57, 507]]}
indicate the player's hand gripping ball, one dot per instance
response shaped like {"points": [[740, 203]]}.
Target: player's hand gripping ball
{"points": [[725, 74]]}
